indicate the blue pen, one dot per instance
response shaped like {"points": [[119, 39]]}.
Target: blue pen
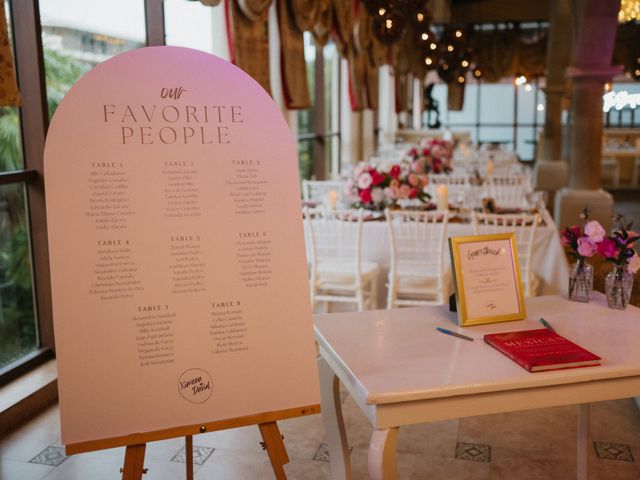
{"points": [[546, 324], [455, 334]]}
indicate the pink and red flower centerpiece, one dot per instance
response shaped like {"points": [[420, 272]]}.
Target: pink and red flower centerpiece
{"points": [[376, 187], [619, 250], [431, 156], [582, 244]]}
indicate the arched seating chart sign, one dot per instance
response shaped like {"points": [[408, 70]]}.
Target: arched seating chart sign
{"points": [[179, 279]]}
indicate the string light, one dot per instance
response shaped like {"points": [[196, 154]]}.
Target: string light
{"points": [[521, 80], [460, 79], [607, 87], [389, 23], [445, 67], [424, 36], [527, 87], [382, 11], [464, 63], [428, 61], [540, 107], [629, 11], [449, 48], [458, 33], [433, 46], [477, 72], [420, 17]]}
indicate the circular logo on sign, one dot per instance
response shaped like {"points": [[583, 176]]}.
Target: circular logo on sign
{"points": [[195, 385]]}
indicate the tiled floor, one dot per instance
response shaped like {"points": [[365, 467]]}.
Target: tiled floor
{"points": [[532, 445]]}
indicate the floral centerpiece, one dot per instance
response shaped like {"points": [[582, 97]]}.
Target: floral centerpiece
{"points": [[619, 250], [582, 243], [431, 156], [379, 186]]}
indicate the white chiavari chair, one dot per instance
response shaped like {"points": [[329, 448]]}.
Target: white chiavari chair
{"points": [[416, 271], [508, 191], [524, 226], [457, 186], [337, 271]]}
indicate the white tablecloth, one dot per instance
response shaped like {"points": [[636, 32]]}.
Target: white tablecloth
{"points": [[549, 262]]}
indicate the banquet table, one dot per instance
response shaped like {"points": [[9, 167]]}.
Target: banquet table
{"points": [[549, 262]]}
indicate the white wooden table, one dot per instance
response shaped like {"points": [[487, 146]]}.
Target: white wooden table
{"points": [[401, 371]]}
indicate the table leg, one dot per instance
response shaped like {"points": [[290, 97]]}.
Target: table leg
{"points": [[334, 422], [584, 412], [382, 454]]}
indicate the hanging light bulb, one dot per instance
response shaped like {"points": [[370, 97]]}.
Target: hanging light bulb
{"points": [[428, 61], [424, 36], [449, 48], [464, 63], [458, 33], [433, 46], [382, 11], [477, 73], [460, 79]]}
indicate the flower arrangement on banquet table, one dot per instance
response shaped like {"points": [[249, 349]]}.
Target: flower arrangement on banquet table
{"points": [[431, 156], [377, 187]]}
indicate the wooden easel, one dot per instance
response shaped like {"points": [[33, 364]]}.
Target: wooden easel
{"points": [[136, 444]]}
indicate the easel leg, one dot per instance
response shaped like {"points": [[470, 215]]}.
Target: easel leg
{"points": [[334, 422], [188, 456], [584, 412], [382, 454], [275, 448], [134, 462]]}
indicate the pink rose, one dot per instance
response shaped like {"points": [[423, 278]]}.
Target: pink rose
{"points": [[395, 171], [594, 231], [364, 181], [413, 179], [586, 247], [608, 248], [634, 264], [404, 191]]}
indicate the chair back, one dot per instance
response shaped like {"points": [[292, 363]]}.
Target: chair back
{"points": [[417, 241], [457, 185], [334, 237], [318, 190], [508, 191], [523, 225]]}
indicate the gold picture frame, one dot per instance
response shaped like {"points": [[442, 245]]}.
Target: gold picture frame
{"points": [[486, 277]]}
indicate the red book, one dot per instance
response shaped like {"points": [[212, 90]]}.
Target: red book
{"points": [[544, 349]]}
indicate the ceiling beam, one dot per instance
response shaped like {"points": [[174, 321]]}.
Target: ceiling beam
{"points": [[493, 11]]}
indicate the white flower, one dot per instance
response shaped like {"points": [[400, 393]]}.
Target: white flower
{"points": [[634, 264], [388, 193], [594, 231], [360, 168], [364, 181], [377, 195]]}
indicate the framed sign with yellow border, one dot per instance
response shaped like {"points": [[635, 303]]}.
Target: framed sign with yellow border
{"points": [[487, 279]]}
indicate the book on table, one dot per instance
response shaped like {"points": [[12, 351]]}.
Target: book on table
{"points": [[542, 349]]}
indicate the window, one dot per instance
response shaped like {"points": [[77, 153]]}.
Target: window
{"points": [[319, 126]]}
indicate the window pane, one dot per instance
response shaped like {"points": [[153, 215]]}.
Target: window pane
{"points": [[497, 135], [11, 157], [305, 117], [18, 333], [466, 116], [525, 149], [206, 26], [77, 35], [496, 103], [526, 103], [305, 158]]}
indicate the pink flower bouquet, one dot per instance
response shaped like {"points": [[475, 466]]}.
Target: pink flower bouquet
{"points": [[431, 156], [376, 187]]}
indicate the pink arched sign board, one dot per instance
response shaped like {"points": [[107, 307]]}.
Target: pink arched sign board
{"points": [[178, 270]]}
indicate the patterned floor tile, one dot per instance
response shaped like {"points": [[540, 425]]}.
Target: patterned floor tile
{"points": [[52, 456], [322, 454], [200, 455], [613, 451], [475, 452]]}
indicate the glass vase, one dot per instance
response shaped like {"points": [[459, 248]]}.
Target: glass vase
{"points": [[580, 281], [617, 286]]}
